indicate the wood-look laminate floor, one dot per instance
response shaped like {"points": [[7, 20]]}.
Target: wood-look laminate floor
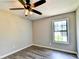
{"points": [[40, 53]]}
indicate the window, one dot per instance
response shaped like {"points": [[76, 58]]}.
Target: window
{"points": [[60, 31]]}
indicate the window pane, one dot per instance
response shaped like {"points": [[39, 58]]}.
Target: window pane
{"points": [[60, 25], [61, 36]]}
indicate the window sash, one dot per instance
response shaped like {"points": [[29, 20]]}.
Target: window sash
{"points": [[60, 36]]}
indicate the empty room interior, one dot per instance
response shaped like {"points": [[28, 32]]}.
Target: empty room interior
{"points": [[39, 29]]}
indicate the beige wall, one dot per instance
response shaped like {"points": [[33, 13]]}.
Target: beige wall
{"points": [[15, 33], [42, 32]]}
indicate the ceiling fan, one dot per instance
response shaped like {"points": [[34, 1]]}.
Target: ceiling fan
{"points": [[29, 7]]}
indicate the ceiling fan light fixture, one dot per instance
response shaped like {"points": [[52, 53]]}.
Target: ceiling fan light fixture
{"points": [[27, 12], [31, 13]]}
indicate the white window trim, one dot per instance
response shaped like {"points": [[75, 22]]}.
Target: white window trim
{"points": [[68, 37]]}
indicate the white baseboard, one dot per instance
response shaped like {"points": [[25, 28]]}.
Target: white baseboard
{"points": [[15, 51], [56, 49]]}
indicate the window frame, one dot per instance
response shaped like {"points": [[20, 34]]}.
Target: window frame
{"points": [[53, 28]]}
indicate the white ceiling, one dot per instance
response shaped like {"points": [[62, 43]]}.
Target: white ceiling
{"points": [[50, 8]]}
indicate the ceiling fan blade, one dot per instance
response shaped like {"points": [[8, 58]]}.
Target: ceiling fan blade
{"points": [[35, 11], [39, 3], [27, 1], [22, 2], [16, 8]]}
